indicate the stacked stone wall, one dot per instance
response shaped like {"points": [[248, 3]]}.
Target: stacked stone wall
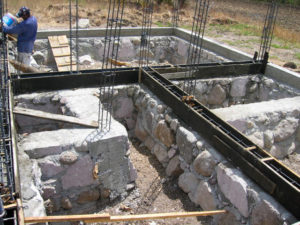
{"points": [[209, 180]]}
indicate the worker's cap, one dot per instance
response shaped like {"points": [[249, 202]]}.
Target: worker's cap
{"points": [[23, 11]]}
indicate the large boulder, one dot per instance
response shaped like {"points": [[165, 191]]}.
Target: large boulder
{"points": [[264, 213], [188, 182], [239, 87], [217, 95], [163, 133], [185, 141]]}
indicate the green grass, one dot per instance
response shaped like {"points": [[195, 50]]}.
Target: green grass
{"points": [[161, 24], [297, 55]]}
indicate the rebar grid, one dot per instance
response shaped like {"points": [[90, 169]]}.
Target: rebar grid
{"points": [[268, 29], [175, 16], [110, 57], [7, 183], [146, 33], [195, 46], [71, 35]]}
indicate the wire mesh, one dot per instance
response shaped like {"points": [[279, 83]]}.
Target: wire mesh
{"points": [[110, 56], [268, 29], [195, 46], [146, 33]]}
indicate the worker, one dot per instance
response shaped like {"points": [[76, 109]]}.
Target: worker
{"points": [[26, 31]]}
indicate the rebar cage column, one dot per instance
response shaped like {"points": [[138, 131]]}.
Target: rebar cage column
{"points": [[195, 46], [110, 57]]}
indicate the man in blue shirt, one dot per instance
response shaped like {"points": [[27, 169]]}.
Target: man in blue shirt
{"points": [[26, 31]]}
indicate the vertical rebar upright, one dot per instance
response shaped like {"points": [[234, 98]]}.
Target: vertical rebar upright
{"points": [[175, 16], [195, 46], [146, 33], [268, 29], [71, 35], [110, 57]]}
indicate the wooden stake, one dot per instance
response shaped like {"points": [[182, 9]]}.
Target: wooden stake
{"points": [[107, 218], [20, 212]]}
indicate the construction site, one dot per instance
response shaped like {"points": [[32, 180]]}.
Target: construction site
{"points": [[147, 125]]}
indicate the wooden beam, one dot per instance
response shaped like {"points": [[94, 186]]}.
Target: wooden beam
{"points": [[10, 206], [56, 117], [21, 219], [93, 218], [69, 218]]}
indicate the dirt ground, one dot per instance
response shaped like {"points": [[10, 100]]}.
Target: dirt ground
{"points": [[154, 192], [53, 14]]}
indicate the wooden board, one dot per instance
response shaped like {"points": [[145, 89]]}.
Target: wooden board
{"points": [[61, 52], [56, 117], [93, 218]]}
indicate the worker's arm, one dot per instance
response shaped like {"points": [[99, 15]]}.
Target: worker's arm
{"points": [[18, 29]]}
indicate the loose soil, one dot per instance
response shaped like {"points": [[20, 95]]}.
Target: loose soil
{"points": [[154, 192]]}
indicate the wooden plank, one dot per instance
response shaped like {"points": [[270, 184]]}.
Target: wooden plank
{"points": [[250, 148], [56, 117], [21, 219], [93, 218], [165, 215], [10, 206], [68, 218]]}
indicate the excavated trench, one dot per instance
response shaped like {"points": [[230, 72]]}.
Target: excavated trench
{"points": [[67, 169]]}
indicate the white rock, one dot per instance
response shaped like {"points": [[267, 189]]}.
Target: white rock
{"points": [[238, 87], [285, 129], [234, 187], [187, 182], [83, 23], [86, 60]]}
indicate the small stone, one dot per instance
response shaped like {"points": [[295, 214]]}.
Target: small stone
{"points": [[48, 191], [173, 168], [88, 196], [253, 88], [130, 91], [160, 109], [86, 60], [199, 145], [130, 187], [49, 206], [171, 153], [83, 23], [268, 139], [168, 118], [68, 157], [105, 193], [204, 164], [291, 65], [174, 125], [66, 203], [187, 182]]}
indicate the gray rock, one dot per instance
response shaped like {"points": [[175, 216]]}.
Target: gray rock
{"points": [[48, 191], [239, 87], [173, 168], [204, 164], [68, 157], [234, 187], [130, 187], [216, 96], [185, 141], [66, 203], [257, 138], [203, 195], [149, 143], [199, 145], [171, 153], [265, 214], [83, 23], [140, 132], [268, 139], [228, 218], [105, 193], [88, 196], [298, 134], [239, 124], [161, 153], [285, 129], [174, 125], [79, 174], [39, 57], [163, 133], [187, 182], [132, 172], [148, 122], [50, 167], [81, 146], [160, 109], [123, 107]]}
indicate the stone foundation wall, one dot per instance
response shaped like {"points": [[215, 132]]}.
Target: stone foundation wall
{"points": [[208, 179], [162, 50], [71, 170], [224, 92]]}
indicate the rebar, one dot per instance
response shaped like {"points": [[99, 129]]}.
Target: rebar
{"points": [[268, 29], [7, 183], [175, 16], [71, 35], [195, 46], [146, 33], [110, 57]]}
